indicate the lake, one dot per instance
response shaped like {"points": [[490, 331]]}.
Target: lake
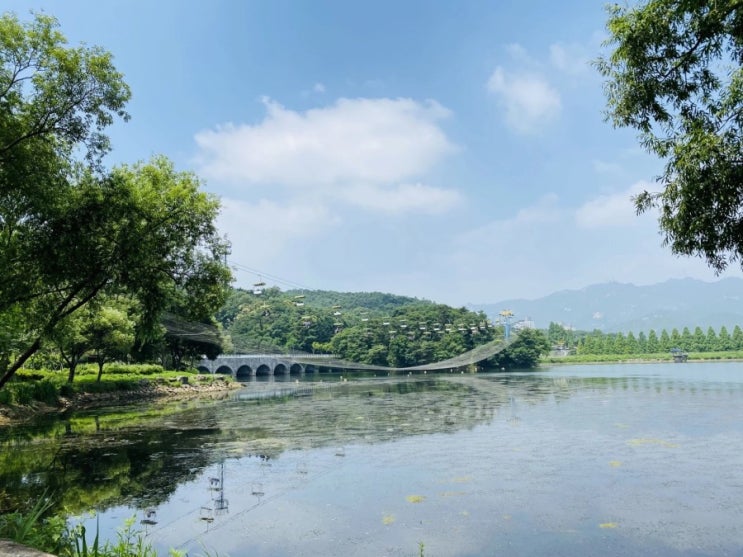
{"points": [[570, 460]]}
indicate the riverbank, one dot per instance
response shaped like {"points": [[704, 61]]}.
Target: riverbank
{"points": [[728, 356], [144, 391]]}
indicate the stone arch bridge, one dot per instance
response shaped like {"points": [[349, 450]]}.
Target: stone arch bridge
{"points": [[243, 366]]}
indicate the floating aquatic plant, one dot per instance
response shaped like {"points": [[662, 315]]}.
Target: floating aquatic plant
{"points": [[648, 441]]}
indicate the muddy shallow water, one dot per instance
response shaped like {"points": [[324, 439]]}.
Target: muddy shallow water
{"points": [[579, 460]]}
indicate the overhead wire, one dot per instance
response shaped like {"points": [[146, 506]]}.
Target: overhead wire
{"points": [[262, 274]]}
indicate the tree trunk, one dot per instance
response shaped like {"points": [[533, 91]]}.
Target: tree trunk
{"points": [[71, 374], [19, 362], [100, 367]]}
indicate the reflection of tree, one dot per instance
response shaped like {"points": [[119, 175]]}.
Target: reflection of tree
{"points": [[104, 469], [141, 461]]}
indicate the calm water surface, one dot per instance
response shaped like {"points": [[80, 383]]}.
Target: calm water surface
{"points": [[580, 460]]}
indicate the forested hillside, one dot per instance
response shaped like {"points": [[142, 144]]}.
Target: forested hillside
{"points": [[365, 327]]}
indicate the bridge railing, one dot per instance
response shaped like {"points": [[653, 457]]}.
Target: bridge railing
{"points": [[287, 356]]}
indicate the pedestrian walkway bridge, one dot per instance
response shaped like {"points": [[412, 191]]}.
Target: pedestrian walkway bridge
{"points": [[244, 366]]}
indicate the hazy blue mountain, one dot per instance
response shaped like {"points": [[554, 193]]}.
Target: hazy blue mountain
{"points": [[613, 307]]}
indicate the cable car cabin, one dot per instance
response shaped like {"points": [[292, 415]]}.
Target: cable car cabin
{"points": [[258, 288]]}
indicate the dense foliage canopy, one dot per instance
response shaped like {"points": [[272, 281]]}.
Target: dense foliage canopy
{"points": [[366, 327], [675, 75], [71, 231]]}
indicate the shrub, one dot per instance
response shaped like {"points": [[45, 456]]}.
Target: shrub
{"points": [[31, 375], [23, 393], [118, 368], [31, 529], [66, 390], [45, 391]]}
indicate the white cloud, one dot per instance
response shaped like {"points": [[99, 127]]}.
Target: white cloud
{"points": [[317, 88], [544, 248], [352, 141], [570, 58], [404, 198], [259, 231], [523, 225], [519, 54], [603, 167], [610, 210], [528, 99]]}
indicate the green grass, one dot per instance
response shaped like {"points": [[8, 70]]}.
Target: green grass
{"points": [[621, 358], [53, 534], [47, 386]]}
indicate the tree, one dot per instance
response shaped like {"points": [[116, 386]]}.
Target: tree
{"points": [[699, 340], [675, 75], [723, 340], [110, 333], [143, 231], [55, 102], [665, 341], [642, 343], [737, 338], [687, 340], [70, 342], [631, 346], [653, 343], [711, 341], [525, 351]]}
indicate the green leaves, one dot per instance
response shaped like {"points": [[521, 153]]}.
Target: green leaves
{"points": [[525, 351], [675, 75], [71, 231]]}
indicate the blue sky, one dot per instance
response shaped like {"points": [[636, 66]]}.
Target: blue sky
{"points": [[454, 151]]}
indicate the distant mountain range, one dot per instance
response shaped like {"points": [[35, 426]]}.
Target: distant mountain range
{"points": [[615, 307]]}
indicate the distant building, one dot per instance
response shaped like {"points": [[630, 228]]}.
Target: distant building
{"points": [[527, 323]]}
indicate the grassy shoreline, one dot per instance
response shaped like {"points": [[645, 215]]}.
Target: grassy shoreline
{"points": [[40, 392], [732, 356]]}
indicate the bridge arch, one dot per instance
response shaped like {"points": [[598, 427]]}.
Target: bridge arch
{"points": [[224, 370], [296, 369], [280, 369], [203, 369], [263, 370], [244, 372]]}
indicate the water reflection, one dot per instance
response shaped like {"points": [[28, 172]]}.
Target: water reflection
{"points": [[625, 456]]}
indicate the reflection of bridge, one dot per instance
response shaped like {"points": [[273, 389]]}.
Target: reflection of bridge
{"points": [[251, 365]]}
